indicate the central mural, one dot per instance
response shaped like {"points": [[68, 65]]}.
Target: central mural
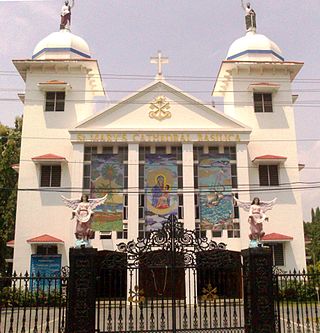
{"points": [[161, 183]]}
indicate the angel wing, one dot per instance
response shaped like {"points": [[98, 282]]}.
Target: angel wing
{"points": [[73, 204], [243, 204], [94, 203], [267, 205]]}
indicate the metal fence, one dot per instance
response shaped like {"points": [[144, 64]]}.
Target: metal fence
{"points": [[297, 302], [171, 281], [33, 303]]}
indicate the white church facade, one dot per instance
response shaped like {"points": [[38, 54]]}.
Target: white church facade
{"points": [[68, 149]]}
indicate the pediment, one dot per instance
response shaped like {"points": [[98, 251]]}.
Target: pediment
{"points": [[161, 106]]}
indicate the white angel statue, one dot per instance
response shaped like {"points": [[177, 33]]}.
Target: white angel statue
{"points": [[257, 216], [82, 210]]}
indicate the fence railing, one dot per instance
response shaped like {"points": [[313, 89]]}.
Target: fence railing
{"points": [[33, 303], [297, 302]]}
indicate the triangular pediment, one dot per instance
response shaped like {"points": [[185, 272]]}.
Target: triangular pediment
{"points": [[161, 106]]}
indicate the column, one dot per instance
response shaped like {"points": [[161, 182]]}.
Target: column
{"points": [[81, 296], [189, 212], [243, 165], [258, 290], [133, 189], [188, 186]]}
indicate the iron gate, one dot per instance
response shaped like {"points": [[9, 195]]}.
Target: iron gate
{"points": [[171, 281]]}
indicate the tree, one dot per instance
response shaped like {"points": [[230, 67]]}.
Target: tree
{"points": [[10, 151], [312, 232]]}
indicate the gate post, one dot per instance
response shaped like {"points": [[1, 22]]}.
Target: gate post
{"points": [[81, 297], [258, 290]]}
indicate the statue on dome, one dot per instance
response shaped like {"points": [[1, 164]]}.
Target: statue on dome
{"points": [[66, 14], [251, 22], [82, 210], [257, 217]]}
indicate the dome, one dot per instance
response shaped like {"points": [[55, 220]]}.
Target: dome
{"points": [[61, 45], [254, 47]]}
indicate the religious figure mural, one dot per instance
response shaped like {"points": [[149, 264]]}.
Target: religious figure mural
{"points": [[160, 181], [107, 178], [82, 211], [66, 14], [216, 208], [257, 217]]}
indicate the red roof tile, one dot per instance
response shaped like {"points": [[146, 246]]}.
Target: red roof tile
{"points": [[276, 237], [270, 157], [53, 82], [10, 243], [48, 157], [45, 239]]}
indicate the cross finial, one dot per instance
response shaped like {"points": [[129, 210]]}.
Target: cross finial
{"points": [[159, 60]]}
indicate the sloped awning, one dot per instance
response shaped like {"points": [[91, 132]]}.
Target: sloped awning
{"points": [[275, 237], [10, 243], [54, 85], [45, 239], [269, 159], [15, 167], [49, 159], [264, 87]]}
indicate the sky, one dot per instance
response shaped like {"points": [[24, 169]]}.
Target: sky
{"points": [[194, 34]]}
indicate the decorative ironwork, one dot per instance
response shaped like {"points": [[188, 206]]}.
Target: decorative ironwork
{"points": [[33, 303], [171, 238], [209, 293], [136, 295], [159, 108], [171, 281]]}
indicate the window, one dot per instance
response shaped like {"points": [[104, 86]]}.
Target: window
{"points": [[268, 175], [47, 249], [50, 176], [262, 102], [277, 253], [55, 101]]}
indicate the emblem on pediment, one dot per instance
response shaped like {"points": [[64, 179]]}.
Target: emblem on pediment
{"points": [[159, 108]]}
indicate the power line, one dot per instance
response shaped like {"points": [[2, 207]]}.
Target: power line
{"points": [[167, 77], [142, 191], [304, 104]]}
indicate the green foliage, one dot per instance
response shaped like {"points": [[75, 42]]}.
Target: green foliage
{"points": [[295, 290], [9, 151], [12, 297]]}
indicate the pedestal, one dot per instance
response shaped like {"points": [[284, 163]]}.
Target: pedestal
{"points": [[81, 291], [258, 290]]}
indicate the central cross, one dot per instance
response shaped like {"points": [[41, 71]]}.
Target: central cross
{"points": [[159, 60]]}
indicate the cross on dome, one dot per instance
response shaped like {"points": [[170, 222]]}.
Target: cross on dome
{"points": [[159, 60]]}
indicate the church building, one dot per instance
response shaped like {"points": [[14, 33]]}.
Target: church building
{"points": [[158, 152]]}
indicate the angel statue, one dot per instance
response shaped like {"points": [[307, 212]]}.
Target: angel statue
{"points": [[82, 210], [66, 14], [257, 216], [251, 22]]}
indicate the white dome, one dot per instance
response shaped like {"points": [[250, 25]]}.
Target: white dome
{"points": [[254, 47], [61, 45]]}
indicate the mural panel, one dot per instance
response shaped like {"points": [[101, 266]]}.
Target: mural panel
{"points": [[161, 183], [107, 173], [216, 203]]}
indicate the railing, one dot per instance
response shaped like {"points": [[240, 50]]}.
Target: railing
{"points": [[297, 298], [33, 303]]}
